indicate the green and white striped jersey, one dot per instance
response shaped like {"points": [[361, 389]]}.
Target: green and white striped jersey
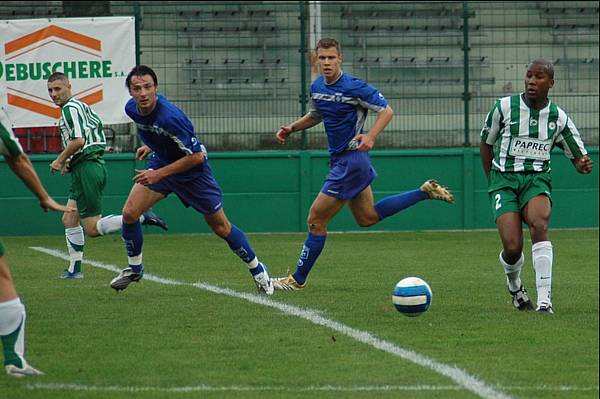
{"points": [[9, 144], [522, 138], [79, 120]]}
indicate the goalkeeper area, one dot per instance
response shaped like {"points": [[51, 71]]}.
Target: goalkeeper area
{"points": [[194, 327]]}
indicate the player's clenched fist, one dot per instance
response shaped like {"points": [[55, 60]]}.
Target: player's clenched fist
{"points": [[282, 134]]}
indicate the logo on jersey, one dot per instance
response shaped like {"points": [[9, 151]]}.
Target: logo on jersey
{"points": [[551, 126], [533, 122], [525, 147]]}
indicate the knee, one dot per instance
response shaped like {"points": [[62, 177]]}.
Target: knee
{"points": [[512, 252], [130, 215], [538, 230], [316, 225], [221, 230], [70, 219]]}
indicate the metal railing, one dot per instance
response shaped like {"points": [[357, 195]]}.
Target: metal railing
{"points": [[240, 70]]}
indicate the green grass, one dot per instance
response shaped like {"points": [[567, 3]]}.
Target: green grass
{"points": [[152, 337]]}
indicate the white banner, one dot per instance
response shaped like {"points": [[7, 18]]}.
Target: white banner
{"points": [[96, 54]]}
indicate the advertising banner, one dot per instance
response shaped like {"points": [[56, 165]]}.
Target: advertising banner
{"points": [[95, 53]]}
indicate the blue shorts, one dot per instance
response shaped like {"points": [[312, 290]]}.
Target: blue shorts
{"points": [[349, 174], [198, 190]]}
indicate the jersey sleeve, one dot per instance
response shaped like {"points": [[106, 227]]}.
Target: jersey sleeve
{"points": [[369, 97], [569, 140], [313, 111], [9, 144], [183, 131], [74, 122], [130, 109], [491, 126]]}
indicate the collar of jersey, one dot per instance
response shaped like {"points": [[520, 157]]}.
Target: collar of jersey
{"points": [[335, 81]]}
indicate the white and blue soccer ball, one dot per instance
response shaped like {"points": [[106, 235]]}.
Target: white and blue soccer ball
{"points": [[412, 296]]}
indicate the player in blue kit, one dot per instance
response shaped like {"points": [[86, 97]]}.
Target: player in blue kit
{"points": [[177, 164], [341, 102]]}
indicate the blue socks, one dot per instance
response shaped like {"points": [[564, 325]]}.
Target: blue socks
{"points": [[134, 240], [310, 252], [395, 203], [239, 244], [314, 244]]}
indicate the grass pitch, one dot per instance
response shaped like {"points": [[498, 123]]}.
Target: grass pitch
{"points": [[170, 338]]}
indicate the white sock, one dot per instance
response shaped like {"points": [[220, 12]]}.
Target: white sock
{"points": [[253, 263], [109, 224], [513, 272], [75, 242], [12, 331], [134, 260], [542, 264]]}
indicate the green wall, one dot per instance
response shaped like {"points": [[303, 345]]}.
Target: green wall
{"points": [[272, 191]]}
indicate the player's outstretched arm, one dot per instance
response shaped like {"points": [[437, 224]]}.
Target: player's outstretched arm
{"points": [[23, 168], [306, 122]]}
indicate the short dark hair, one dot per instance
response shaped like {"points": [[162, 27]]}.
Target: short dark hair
{"points": [[547, 65], [141, 70], [328, 42], [58, 76]]}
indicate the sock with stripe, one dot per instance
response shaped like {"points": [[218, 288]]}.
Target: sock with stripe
{"points": [[513, 272], [238, 243], [313, 245], [12, 332], [75, 243], [134, 240]]}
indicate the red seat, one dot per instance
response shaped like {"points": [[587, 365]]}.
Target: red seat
{"points": [[38, 140], [22, 135], [53, 140]]}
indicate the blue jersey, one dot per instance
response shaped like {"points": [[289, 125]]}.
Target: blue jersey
{"points": [[168, 132], [343, 107]]}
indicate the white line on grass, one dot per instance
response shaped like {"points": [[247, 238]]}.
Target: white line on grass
{"points": [[456, 374], [236, 388], [322, 388]]}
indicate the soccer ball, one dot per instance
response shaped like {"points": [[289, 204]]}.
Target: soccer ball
{"points": [[412, 296]]}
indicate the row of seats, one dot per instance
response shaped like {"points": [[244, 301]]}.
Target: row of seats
{"points": [[38, 140], [427, 62], [254, 29], [226, 14], [237, 79], [238, 63], [47, 139]]}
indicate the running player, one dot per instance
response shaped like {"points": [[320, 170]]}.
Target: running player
{"points": [[341, 101], [517, 137]]}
